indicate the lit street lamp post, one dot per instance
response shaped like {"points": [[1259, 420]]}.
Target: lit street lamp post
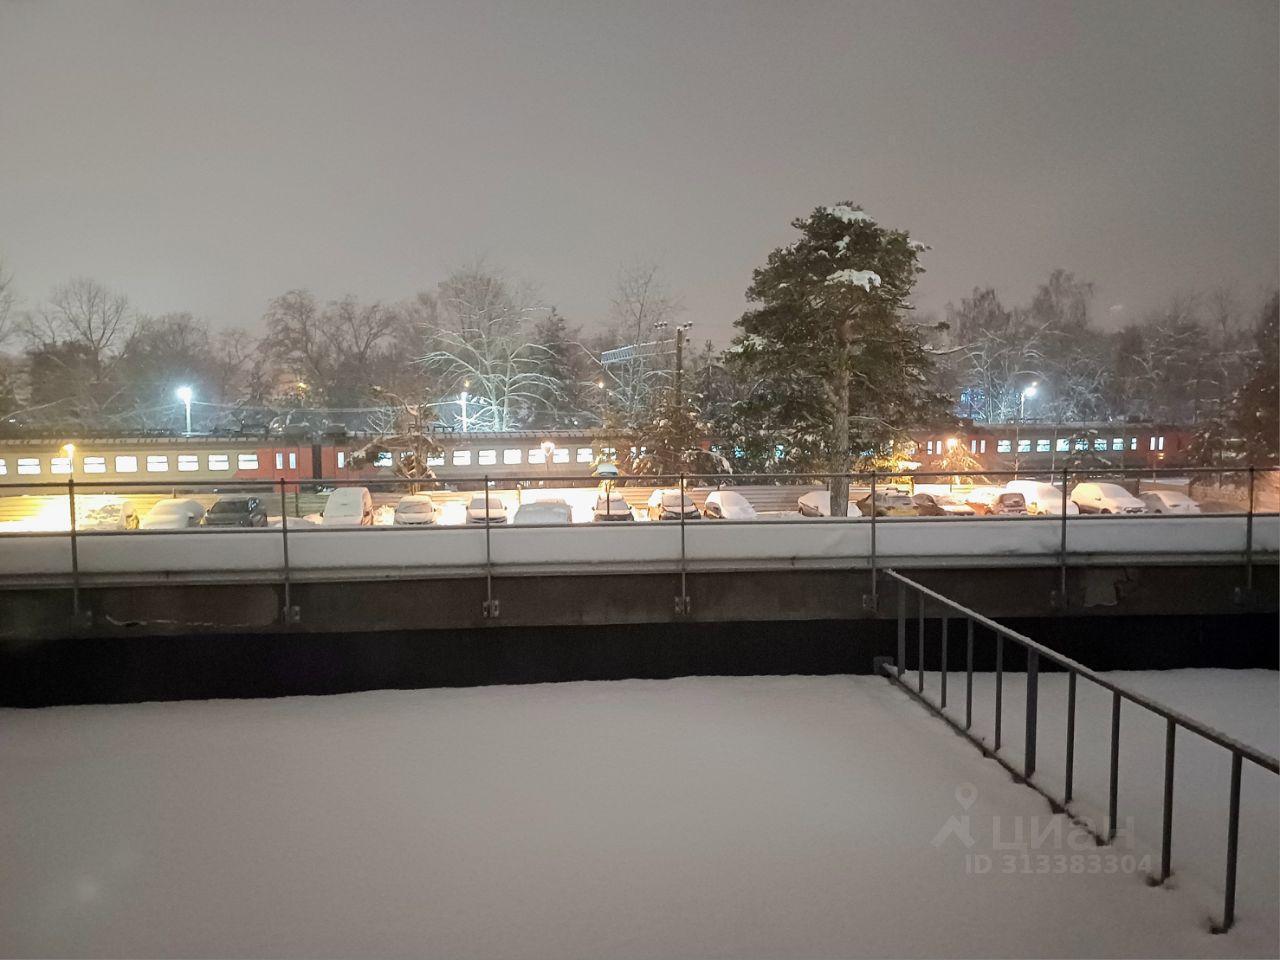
{"points": [[548, 449], [185, 394], [1028, 391]]}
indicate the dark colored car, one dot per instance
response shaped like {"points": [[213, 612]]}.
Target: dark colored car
{"points": [[236, 512]]}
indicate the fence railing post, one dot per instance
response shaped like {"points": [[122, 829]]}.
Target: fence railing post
{"points": [[920, 651], [874, 598], [968, 674], [490, 609], [902, 629], [942, 668], [75, 551], [287, 612], [1248, 539], [1062, 546], [1033, 696], [999, 685], [1114, 790], [1233, 845], [1071, 737], [1166, 823], [682, 601]]}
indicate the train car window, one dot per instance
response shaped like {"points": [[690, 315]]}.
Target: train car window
{"points": [[95, 464], [247, 461], [383, 459], [60, 465], [342, 459], [1024, 446], [1042, 446], [293, 460], [560, 455], [585, 455], [511, 456], [188, 462], [435, 461], [1062, 445], [1082, 443], [462, 458], [28, 466], [537, 456], [156, 463], [1159, 443], [219, 461], [4, 467], [1100, 445], [488, 457], [1133, 443], [126, 464], [1004, 446], [982, 446], [279, 460], [1117, 443]]}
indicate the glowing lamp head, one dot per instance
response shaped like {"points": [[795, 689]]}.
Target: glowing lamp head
{"points": [[951, 443], [1030, 389], [184, 394], [548, 448], [68, 449]]}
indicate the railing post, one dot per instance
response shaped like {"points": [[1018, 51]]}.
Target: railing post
{"points": [[942, 669], [1166, 825], [287, 612], [1062, 546], [1248, 539], [999, 685], [1233, 846], [1033, 696], [874, 598], [902, 629], [490, 609], [75, 551], [920, 652], [682, 601], [968, 675], [1071, 736], [1114, 792]]}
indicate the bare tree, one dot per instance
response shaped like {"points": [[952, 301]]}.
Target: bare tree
{"points": [[85, 313], [8, 301], [641, 309]]}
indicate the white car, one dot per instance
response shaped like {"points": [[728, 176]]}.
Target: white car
{"points": [[348, 507], [484, 508], [173, 515], [817, 503], [539, 512], [415, 510], [1043, 499], [1168, 501], [728, 505], [115, 515], [612, 507], [1105, 498], [671, 504]]}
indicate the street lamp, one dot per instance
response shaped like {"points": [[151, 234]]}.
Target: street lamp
{"points": [[1028, 391], [462, 399], [185, 394], [548, 448]]}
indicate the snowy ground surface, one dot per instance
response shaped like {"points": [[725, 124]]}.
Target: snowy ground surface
{"points": [[758, 817]]}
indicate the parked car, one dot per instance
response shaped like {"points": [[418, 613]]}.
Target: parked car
{"points": [[173, 515], [998, 503], [348, 507], [486, 508], [1105, 498], [889, 503], [612, 507], [940, 505], [1043, 499], [233, 511], [415, 510], [1168, 501], [114, 515], [671, 504], [538, 512], [817, 503], [728, 505]]}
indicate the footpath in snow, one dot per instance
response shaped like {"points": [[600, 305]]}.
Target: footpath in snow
{"points": [[745, 817]]}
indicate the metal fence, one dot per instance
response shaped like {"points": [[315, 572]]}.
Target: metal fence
{"points": [[946, 609]]}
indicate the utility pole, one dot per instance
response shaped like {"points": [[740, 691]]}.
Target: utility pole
{"points": [[680, 334]]}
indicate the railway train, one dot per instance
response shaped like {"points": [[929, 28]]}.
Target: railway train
{"points": [[176, 459]]}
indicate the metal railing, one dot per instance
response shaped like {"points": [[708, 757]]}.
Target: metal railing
{"points": [[1035, 652]]}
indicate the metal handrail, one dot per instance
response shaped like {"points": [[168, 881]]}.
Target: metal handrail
{"points": [[1119, 693]]}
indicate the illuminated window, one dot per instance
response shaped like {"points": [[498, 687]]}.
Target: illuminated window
{"points": [[293, 460], [435, 460], [982, 446], [342, 459], [973, 446], [462, 458], [608, 453], [247, 461], [1024, 446], [279, 460], [1082, 443], [95, 464], [1004, 446], [219, 461], [512, 456], [537, 456], [60, 465], [28, 466], [1117, 443], [1159, 443], [1100, 445], [1042, 446], [487, 458], [1133, 443], [383, 459], [1151, 443], [126, 464], [4, 467], [560, 455], [1062, 445], [157, 463], [584, 455], [188, 462]]}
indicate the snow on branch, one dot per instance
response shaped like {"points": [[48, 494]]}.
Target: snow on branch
{"points": [[866, 279]]}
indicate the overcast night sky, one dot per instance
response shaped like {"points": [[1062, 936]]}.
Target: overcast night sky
{"points": [[209, 156]]}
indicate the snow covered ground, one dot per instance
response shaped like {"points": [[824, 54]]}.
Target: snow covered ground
{"points": [[758, 817]]}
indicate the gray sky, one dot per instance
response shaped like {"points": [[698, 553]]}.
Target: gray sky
{"points": [[208, 156]]}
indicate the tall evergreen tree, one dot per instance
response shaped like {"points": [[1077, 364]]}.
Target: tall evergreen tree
{"points": [[1256, 411], [836, 371]]}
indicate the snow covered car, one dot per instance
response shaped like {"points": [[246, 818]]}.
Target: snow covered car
{"points": [[1168, 501], [415, 510], [1105, 498], [940, 505], [728, 505], [889, 503], [1043, 499], [488, 508], [348, 507], [817, 503], [671, 504], [611, 507], [999, 503], [539, 512], [119, 515], [235, 511], [173, 515]]}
